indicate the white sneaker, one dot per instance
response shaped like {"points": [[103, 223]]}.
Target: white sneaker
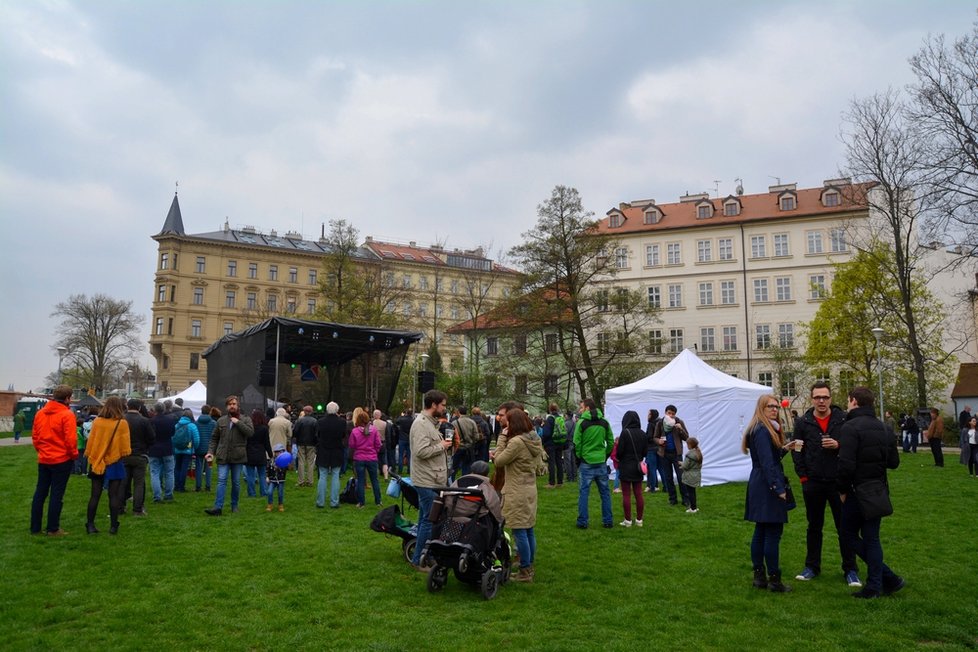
{"points": [[625, 524], [691, 511], [638, 522]]}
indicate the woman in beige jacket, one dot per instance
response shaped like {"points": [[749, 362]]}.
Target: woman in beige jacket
{"points": [[521, 457]]}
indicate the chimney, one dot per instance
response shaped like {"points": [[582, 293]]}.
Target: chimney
{"points": [[692, 198]]}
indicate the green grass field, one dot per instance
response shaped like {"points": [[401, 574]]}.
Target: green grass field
{"points": [[320, 579]]}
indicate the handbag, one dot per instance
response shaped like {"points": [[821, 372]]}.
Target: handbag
{"points": [[789, 496], [873, 497], [641, 464]]}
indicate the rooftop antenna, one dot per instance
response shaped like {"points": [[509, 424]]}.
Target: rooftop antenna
{"points": [[740, 186], [716, 187], [778, 179]]}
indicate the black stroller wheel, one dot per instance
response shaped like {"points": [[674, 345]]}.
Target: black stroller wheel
{"points": [[437, 578], [490, 584], [408, 546]]}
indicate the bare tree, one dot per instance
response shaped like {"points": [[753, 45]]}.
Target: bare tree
{"points": [[475, 300], [100, 333], [886, 155], [355, 290], [565, 256], [944, 111]]}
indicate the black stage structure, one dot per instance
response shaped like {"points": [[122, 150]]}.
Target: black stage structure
{"points": [[309, 361]]}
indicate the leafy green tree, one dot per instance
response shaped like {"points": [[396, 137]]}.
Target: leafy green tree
{"points": [[861, 298]]}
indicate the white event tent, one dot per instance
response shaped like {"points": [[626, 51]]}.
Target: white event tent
{"points": [[194, 397], [715, 407]]}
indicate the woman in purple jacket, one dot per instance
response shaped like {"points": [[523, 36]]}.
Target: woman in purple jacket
{"points": [[365, 444]]}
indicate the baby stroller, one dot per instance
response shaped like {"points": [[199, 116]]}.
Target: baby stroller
{"points": [[391, 521], [467, 537]]}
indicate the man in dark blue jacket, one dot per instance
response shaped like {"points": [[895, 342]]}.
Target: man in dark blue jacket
{"points": [[161, 460], [817, 467], [866, 451]]}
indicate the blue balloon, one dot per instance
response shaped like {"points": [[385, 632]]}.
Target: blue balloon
{"points": [[283, 460]]}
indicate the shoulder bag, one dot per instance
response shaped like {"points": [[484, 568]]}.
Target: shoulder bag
{"points": [[873, 497]]}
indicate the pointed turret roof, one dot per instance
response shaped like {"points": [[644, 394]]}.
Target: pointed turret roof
{"points": [[174, 220]]}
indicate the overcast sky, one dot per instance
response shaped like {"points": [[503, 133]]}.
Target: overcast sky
{"points": [[413, 120]]}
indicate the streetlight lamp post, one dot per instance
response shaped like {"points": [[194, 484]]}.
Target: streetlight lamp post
{"points": [[878, 334], [62, 351], [128, 382]]}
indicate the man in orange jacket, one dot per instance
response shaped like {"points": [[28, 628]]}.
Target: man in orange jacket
{"points": [[56, 440]]}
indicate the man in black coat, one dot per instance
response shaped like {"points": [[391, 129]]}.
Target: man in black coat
{"points": [[404, 442], [866, 451], [817, 467], [330, 435], [141, 438]]}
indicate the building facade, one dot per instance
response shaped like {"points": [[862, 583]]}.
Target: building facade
{"points": [[211, 284], [735, 277]]}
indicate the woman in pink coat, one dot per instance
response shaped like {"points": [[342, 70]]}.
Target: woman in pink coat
{"points": [[365, 444]]}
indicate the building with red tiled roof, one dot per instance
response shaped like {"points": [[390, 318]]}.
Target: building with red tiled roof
{"points": [[735, 276], [210, 284]]}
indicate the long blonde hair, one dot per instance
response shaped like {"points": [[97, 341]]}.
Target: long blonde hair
{"points": [[760, 418], [360, 418]]}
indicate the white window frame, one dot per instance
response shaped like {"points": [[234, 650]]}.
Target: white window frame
{"points": [[652, 258], [761, 294], [728, 293]]}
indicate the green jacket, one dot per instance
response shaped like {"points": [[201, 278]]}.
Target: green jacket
{"points": [[593, 444]]}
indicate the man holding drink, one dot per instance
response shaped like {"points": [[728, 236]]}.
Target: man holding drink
{"points": [[817, 466]]}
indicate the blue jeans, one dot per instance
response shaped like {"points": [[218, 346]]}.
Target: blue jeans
{"points": [[253, 474], [203, 473], [181, 468], [597, 473], [362, 468], [222, 484], [332, 474], [669, 464], [765, 547], [425, 499], [403, 457], [652, 462], [161, 474], [51, 479], [867, 546], [526, 545], [280, 487], [571, 462]]}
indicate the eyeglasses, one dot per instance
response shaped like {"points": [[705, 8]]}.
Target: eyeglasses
{"points": [[772, 405], [821, 398]]}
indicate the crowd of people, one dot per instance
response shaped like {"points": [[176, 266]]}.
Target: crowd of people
{"points": [[835, 453]]}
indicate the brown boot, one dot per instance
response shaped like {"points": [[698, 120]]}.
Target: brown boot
{"points": [[524, 575]]}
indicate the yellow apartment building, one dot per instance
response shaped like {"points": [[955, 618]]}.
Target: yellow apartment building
{"points": [[210, 284]]}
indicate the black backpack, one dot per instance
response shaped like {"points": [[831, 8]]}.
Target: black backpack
{"points": [[349, 494]]}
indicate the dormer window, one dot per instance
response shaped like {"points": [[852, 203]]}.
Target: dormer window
{"points": [[731, 208], [788, 202], [704, 210], [831, 198], [652, 215], [615, 220]]}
